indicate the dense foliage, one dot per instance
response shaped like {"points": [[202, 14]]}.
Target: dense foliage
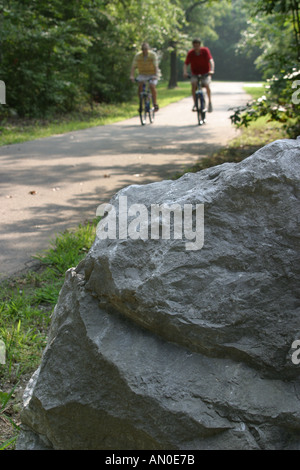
{"points": [[274, 27], [57, 56]]}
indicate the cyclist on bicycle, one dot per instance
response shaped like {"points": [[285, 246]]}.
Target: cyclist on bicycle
{"points": [[201, 63], [147, 64]]}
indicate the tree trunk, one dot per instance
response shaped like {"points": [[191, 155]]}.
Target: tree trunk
{"points": [[173, 67]]}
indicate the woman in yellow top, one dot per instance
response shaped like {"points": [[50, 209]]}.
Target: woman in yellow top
{"points": [[147, 64]]}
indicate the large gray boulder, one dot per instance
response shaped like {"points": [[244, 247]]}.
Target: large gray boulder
{"points": [[155, 344]]}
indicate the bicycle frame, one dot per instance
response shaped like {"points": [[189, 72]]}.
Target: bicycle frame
{"points": [[146, 104], [200, 101]]}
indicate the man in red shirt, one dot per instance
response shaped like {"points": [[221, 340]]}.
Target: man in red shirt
{"points": [[201, 62]]}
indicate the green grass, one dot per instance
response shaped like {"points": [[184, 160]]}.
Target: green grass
{"points": [[18, 130], [26, 302], [26, 305], [255, 91]]}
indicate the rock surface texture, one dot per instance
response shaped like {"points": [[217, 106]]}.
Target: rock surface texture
{"points": [[153, 346]]}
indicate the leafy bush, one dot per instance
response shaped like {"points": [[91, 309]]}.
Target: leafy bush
{"points": [[281, 103]]}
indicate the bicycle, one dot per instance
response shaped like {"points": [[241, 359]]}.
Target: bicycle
{"points": [[146, 104], [200, 101]]}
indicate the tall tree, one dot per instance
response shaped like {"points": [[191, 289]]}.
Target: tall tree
{"points": [[232, 63], [271, 28], [199, 19], [285, 7]]}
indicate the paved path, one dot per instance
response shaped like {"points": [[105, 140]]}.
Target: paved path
{"points": [[51, 184]]}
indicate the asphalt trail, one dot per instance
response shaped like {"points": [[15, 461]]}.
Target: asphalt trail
{"points": [[51, 184]]}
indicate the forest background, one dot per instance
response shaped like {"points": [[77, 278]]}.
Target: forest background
{"points": [[59, 56]]}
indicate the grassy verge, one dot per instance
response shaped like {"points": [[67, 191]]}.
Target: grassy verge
{"points": [[255, 90], [26, 305], [15, 130], [27, 302]]}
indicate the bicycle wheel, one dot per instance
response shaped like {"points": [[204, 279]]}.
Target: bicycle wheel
{"points": [[200, 105], [203, 109], [151, 112], [143, 110], [199, 110]]}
